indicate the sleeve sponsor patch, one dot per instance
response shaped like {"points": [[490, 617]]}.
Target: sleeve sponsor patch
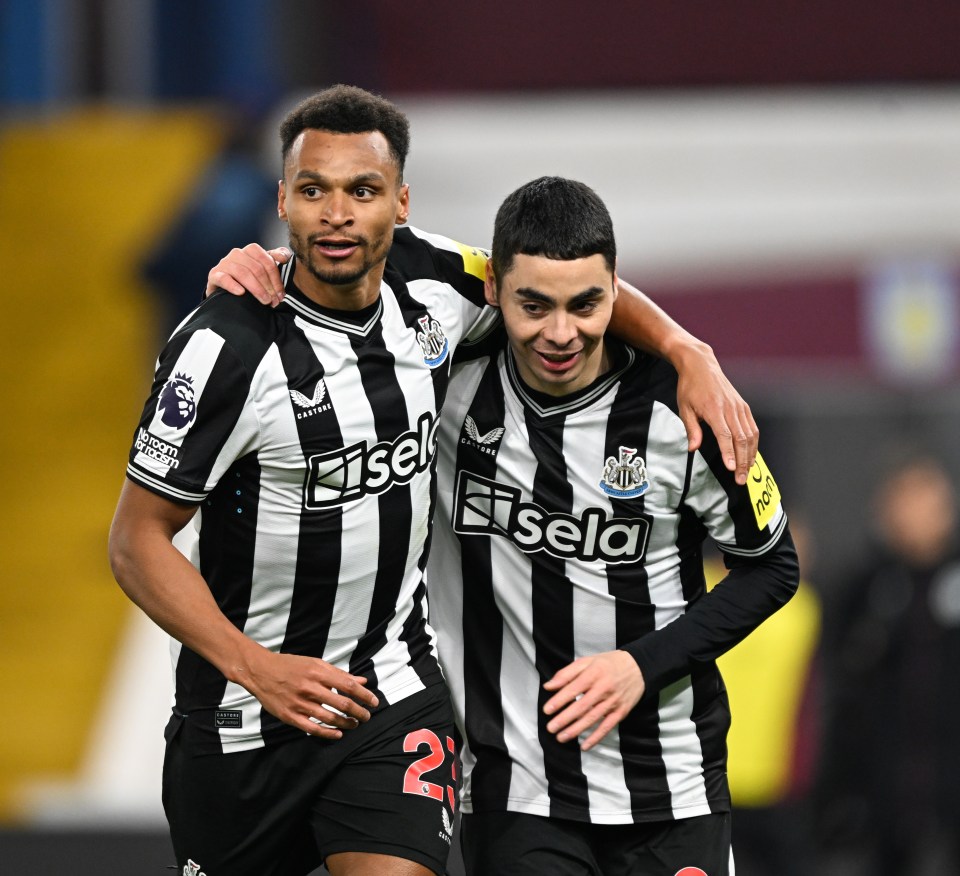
{"points": [[764, 493], [474, 260]]}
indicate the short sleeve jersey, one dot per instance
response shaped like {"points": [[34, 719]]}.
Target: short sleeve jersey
{"points": [[575, 525], [306, 439]]}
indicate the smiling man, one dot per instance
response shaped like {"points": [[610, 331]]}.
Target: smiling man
{"points": [[566, 576], [308, 695]]}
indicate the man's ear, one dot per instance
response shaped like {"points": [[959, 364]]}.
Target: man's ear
{"points": [[490, 286], [403, 205], [281, 201]]}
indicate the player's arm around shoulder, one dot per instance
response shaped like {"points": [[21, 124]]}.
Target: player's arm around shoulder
{"points": [[250, 269], [704, 392]]}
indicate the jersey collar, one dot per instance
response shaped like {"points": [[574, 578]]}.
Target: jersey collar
{"points": [[546, 405], [351, 322]]}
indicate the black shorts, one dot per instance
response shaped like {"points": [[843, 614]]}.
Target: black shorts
{"points": [[514, 844], [387, 787]]}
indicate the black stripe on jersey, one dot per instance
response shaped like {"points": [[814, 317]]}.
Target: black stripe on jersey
{"points": [[412, 257], [483, 624], [490, 344], [644, 770], [553, 621], [228, 517], [375, 364], [412, 310], [317, 571], [690, 537]]}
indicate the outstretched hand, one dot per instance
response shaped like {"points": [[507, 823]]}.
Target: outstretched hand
{"points": [[252, 269], [704, 393], [593, 692], [308, 693]]}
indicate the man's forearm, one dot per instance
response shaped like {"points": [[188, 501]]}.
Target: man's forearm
{"points": [[171, 592], [720, 619], [642, 323]]}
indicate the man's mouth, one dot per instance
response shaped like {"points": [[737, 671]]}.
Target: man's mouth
{"points": [[336, 247], [554, 361]]}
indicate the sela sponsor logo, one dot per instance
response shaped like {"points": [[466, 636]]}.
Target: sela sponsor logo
{"points": [[690, 871], [625, 476], [350, 473], [484, 443], [485, 507], [150, 445], [433, 342], [311, 405], [192, 869], [177, 405]]}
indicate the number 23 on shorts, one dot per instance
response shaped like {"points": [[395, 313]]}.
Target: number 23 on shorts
{"points": [[414, 781]]}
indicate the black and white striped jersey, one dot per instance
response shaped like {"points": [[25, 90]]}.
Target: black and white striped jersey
{"points": [[306, 438], [575, 525]]}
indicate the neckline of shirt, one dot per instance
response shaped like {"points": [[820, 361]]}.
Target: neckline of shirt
{"points": [[545, 405], [354, 322]]}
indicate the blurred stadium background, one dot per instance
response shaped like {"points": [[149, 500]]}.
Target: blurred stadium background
{"points": [[784, 179]]}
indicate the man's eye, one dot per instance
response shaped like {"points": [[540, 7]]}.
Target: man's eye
{"points": [[364, 192], [311, 191]]}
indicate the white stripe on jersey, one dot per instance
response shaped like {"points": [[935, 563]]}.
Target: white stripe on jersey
{"points": [[446, 612], [275, 552], [174, 493], [678, 733], [595, 614], [706, 497], [520, 684], [681, 751], [519, 680]]}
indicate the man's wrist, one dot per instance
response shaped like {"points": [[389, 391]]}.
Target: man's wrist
{"points": [[682, 349]]}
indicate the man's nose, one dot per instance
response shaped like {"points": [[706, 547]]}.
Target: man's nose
{"points": [[560, 329], [337, 209]]}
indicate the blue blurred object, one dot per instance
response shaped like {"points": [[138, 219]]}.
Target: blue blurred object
{"points": [[226, 209]]}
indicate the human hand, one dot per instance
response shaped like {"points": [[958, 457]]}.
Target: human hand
{"points": [[596, 691], [704, 393], [304, 691], [252, 269]]}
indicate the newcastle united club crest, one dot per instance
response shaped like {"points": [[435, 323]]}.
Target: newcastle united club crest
{"points": [[625, 477], [432, 341]]}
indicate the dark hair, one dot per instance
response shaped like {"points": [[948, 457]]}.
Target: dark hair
{"points": [[346, 109], [553, 217]]}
